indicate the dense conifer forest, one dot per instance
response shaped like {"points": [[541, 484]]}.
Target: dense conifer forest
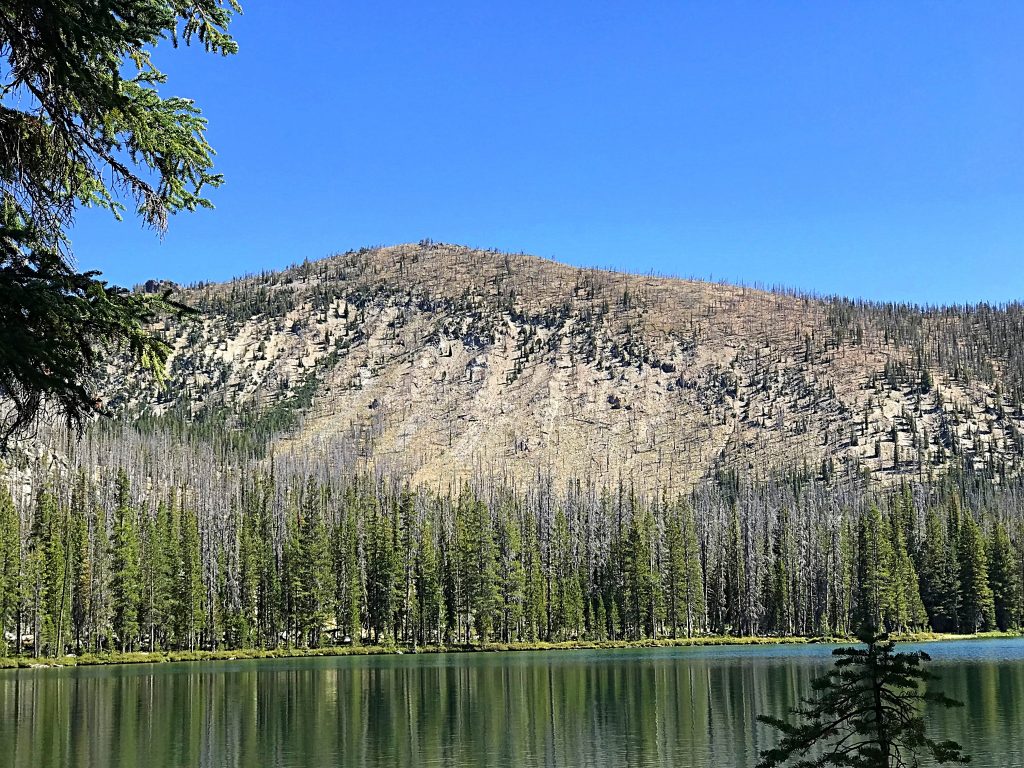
{"points": [[133, 544], [361, 450]]}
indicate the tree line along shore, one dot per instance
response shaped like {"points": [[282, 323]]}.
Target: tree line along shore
{"points": [[95, 567], [290, 652]]}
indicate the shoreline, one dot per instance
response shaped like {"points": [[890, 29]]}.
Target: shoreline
{"points": [[256, 654]]}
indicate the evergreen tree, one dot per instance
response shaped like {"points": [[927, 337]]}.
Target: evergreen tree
{"points": [[737, 617], [866, 713], [460, 560], [100, 605], [171, 533], [511, 575], [156, 582], [81, 575], [937, 575], [91, 128], [47, 573], [190, 595], [269, 588], [250, 574], [953, 523], [845, 580], [1004, 579], [674, 577], [780, 590], [285, 561], [58, 582], [875, 593], [428, 586], [218, 597], [405, 525], [716, 595], [644, 601], [482, 579], [312, 584], [566, 594], [976, 604], [10, 570], [126, 585], [693, 579], [350, 579], [34, 580], [536, 596], [906, 612], [381, 574]]}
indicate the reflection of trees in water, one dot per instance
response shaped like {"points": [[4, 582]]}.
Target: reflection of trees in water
{"points": [[515, 710], [990, 724]]}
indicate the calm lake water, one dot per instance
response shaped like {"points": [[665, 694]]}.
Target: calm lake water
{"points": [[659, 707]]}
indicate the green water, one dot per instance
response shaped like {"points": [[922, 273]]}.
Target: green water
{"points": [[660, 707]]}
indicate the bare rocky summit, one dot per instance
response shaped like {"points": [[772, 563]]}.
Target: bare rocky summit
{"points": [[440, 362]]}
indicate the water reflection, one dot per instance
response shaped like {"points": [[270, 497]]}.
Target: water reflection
{"points": [[649, 708]]}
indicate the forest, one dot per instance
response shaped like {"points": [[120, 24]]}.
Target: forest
{"points": [[157, 555], [188, 523]]}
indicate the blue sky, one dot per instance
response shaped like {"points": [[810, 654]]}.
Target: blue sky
{"points": [[868, 149]]}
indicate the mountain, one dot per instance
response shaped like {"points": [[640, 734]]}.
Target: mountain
{"points": [[643, 457], [440, 362]]}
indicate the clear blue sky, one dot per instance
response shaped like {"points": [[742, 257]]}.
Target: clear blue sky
{"points": [[869, 149]]}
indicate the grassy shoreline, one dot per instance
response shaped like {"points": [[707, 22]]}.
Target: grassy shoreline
{"points": [[160, 657]]}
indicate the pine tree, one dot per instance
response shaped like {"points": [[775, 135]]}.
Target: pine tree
{"points": [[867, 713], [615, 576], [428, 586], [875, 593], [10, 570], [536, 597], [735, 578], [269, 587], [171, 533], [58, 582], [218, 597], [566, 594], [1004, 579], [482, 579], [645, 599], [81, 575], [460, 561], [349, 578], [693, 579], [47, 573], [845, 579], [100, 604], [312, 583], [937, 575], [780, 596], [34, 581], [126, 586], [249, 577], [977, 607], [190, 595], [674, 576], [291, 582], [511, 575], [952, 555], [907, 610], [716, 595], [91, 126], [381, 574], [405, 528], [156, 582]]}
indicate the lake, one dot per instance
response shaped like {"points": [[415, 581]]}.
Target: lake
{"points": [[643, 707]]}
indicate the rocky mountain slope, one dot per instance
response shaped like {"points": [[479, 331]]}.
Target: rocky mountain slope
{"points": [[439, 361]]}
